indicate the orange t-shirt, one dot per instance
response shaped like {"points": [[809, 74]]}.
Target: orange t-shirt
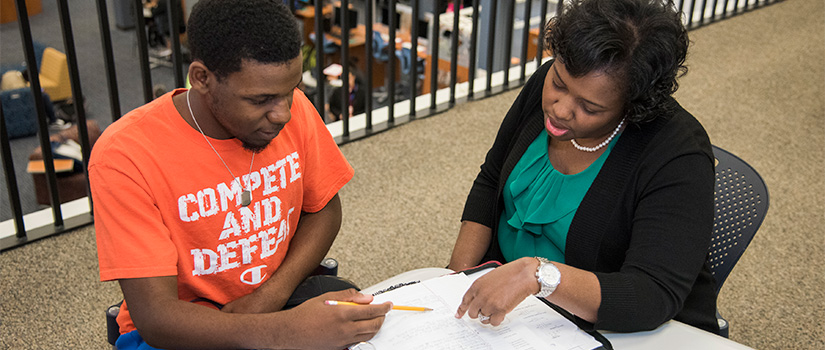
{"points": [[165, 205]]}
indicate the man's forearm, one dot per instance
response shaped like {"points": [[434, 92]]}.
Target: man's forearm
{"points": [[311, 241], [166, 322]]}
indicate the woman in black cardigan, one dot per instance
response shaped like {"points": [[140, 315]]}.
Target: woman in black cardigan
{"points": [[631, 252]]}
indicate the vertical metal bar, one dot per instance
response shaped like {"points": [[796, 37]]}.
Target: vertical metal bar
{"points": [[434, 59], [345, 65], [454, 53], [491, 44], [42, 123], [108, 58], [320, 102], [682, 6], [368, 36], [391, 64], [559, 7], [77, 91], [702, 12], [143, 51], [725, 9], [713, 10], [11, 178], [542, 23], [525, 40], [413, 78], [508, 42], [174, 10], [473, 50], [690, 14]]}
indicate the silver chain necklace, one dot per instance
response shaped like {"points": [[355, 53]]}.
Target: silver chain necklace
{"points": [[597, 147], [246, 196]]}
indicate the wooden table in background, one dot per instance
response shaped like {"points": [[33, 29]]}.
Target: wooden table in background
{"points": [[462, 73], [307, 16], [8, 11]]}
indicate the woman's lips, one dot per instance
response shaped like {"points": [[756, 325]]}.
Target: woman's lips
{"points": [[553, 129]]}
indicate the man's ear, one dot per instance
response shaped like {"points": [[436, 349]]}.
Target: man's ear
{"points": [[199, 77]]}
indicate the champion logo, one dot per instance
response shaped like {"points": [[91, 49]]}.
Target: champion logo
{"points": [[253, 276]]}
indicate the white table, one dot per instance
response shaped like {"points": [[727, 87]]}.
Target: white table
{"points": [[672, 335]]}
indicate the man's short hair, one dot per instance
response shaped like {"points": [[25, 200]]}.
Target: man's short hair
{"points": [[224, 33]]}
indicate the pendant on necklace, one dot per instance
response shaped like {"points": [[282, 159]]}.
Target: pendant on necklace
{"points": [[246, 198]]}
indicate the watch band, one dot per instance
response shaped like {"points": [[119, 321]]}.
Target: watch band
{"points": [[548, 277]]}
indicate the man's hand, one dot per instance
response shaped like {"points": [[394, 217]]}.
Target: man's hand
{"points": [[320, 326], [498, 292]]}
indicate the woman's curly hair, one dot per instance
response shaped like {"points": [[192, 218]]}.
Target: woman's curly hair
{"points": [[642, 43], [224, 33]]}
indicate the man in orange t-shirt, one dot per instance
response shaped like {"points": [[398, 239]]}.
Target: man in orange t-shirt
{"points": [[226, 193]]}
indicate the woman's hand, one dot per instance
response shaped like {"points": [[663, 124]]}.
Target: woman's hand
{"points": [[498, 292]]}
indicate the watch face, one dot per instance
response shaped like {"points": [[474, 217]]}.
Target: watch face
{"points": [[550, 275]]}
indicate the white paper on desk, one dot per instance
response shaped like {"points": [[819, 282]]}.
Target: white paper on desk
{"points": [[531, 326]]}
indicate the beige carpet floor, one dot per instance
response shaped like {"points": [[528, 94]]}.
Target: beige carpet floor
{"points": [[757, 83]]}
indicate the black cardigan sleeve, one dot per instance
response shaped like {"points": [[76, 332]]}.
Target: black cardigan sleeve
{"points": [[483, 198], [667, 225], [669, 243], [645, 234]]}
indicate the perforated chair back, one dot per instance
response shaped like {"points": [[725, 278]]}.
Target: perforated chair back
{"points": [[741, 202]]}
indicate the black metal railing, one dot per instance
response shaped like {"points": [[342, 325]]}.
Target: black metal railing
{"points": [[484, 21]]}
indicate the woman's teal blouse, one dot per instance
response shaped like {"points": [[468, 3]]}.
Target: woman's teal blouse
{"points": [[539, 203]]}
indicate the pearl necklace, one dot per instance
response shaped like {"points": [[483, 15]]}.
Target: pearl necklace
{"points": [[604, 143], [246, 195]]}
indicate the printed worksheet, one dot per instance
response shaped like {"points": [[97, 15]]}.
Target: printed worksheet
{"points": [[531, 326]]}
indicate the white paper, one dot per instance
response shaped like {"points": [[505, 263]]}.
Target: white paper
{"points": [[531, 326]]}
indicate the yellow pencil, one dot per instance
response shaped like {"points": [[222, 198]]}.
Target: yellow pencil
{"points": [[394, 307]]}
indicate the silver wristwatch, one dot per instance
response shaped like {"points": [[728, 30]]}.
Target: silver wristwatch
{"points": [[548, 276]]}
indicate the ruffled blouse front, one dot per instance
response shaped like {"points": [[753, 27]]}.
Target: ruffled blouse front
{"points": [[540, 202]]}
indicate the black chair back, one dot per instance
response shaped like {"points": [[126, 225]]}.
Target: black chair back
{"points": [[741, 202]]}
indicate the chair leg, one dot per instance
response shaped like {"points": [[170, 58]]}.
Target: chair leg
{"points": [[112, 328], [328, 266], [724, 327]]}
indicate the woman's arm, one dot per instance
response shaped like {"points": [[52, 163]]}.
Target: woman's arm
{"points": [[655, 267], [501, 290], [671, 228], [473, 241]]}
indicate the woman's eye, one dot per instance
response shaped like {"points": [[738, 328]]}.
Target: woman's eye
{"points": [[588, 110]]}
